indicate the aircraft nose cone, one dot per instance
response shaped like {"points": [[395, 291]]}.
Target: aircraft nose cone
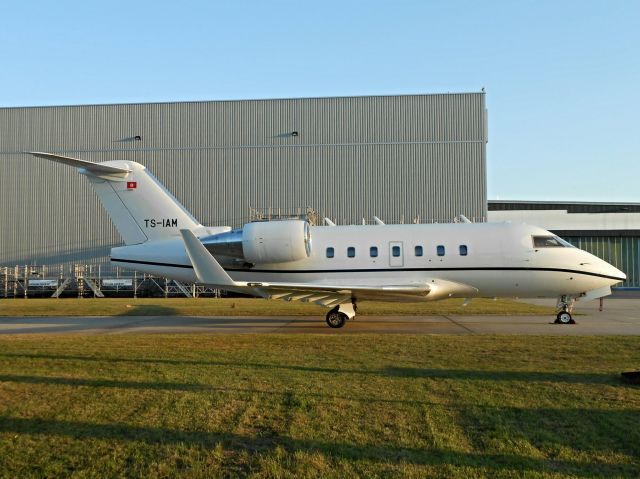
{"points": [[617, 273], [613, 272]]}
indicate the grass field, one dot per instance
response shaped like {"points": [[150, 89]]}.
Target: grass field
{"points": [[247, 306], [318, 406]]}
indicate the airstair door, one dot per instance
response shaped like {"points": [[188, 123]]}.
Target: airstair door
{"points": [[396, 254]]}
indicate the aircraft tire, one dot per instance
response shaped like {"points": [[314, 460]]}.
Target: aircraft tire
{"points": [[336, 319], [564, 317]]}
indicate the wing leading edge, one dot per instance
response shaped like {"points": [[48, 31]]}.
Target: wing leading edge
{"points": [[209, 272]]}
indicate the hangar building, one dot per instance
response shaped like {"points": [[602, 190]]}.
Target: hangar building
{"points": [[403, 158], [610, 231]]}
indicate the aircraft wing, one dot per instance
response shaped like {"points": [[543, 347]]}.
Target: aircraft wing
{"points": [[209, 272], [330, 295]]}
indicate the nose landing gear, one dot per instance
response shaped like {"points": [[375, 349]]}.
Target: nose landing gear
{"points": [[564, 309]]}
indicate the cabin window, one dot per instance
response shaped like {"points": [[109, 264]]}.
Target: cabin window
{"points": [[550, 242], [463, 250], [418, 250], [373, 251], [330, 252], [351, 252], [440, 250], [395, 251]]}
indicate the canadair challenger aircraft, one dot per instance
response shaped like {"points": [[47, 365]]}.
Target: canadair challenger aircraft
{"points": [[337, 266]]}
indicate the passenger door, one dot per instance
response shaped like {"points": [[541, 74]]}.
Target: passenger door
{"points": [[396, 254]]}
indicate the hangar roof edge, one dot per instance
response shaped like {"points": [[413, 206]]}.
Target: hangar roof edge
{"points": [[243, 100], [570, 206]]}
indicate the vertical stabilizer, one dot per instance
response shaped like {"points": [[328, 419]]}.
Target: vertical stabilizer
{"points": [[140, 207]]}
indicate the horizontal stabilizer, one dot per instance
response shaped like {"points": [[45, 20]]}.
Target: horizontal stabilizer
{"points": [[96, 168]]}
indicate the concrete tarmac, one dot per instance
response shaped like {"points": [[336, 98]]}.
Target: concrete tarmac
{"points": [[621, 316]]}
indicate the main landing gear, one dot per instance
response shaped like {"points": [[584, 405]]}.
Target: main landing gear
{"points": [[564, 309], [339, 315]]}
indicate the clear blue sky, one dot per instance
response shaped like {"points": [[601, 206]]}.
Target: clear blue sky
{"points": [[562, 77]]}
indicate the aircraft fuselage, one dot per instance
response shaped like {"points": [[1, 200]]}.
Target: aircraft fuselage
{"points": [[499, 259]]}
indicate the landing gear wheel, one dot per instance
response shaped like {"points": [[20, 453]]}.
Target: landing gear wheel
{"points": [[336, 319], [564, 317]]}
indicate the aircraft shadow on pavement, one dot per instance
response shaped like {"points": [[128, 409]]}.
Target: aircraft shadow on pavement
{"points": [[147, 310], [158, 317], [72, 324]]}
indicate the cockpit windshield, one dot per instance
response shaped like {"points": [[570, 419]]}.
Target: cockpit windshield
{"points": [[550, 242]]}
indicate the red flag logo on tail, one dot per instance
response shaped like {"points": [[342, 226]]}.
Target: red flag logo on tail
{"points": [[132, 185]]}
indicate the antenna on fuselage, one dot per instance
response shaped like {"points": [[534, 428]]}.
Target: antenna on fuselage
{"points": [[464, 219], [328, 222], [378, 221]]}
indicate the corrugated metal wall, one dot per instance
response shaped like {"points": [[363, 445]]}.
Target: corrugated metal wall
{"points": [[392, 156], [571, 208]]}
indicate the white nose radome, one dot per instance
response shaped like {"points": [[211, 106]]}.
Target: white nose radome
{"points": [[609, 271], [616, 273], [601, 268]]}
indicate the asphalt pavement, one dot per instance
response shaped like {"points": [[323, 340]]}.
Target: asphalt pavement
{"points": [[620, 316]]}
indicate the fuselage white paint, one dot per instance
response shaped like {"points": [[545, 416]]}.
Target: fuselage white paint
{"points": [[501, 260]]}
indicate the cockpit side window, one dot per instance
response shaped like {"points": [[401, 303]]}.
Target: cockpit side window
{"points": [[550, 242]]}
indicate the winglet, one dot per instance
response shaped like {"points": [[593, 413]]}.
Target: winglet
{"points": [[95, 168], [207, 269]]}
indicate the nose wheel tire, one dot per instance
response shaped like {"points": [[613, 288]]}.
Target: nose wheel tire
{"points": [[336, 319], [564, 317]]}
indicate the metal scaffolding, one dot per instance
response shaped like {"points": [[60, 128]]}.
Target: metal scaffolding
{"points": [[84, 281]]}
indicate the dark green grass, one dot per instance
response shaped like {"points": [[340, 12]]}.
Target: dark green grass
{"points": [[318, 406]]}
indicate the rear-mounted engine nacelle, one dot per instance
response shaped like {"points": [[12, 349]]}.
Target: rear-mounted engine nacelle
{"points": [[276, 241], [264, 242]]}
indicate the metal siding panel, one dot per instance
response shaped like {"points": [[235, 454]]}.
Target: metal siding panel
{"points": [[393, 156]]}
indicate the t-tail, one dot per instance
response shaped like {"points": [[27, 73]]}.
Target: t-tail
{"points": [[140, 207]]}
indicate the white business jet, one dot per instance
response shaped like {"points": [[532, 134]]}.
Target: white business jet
{"points": [[338, 266]]}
